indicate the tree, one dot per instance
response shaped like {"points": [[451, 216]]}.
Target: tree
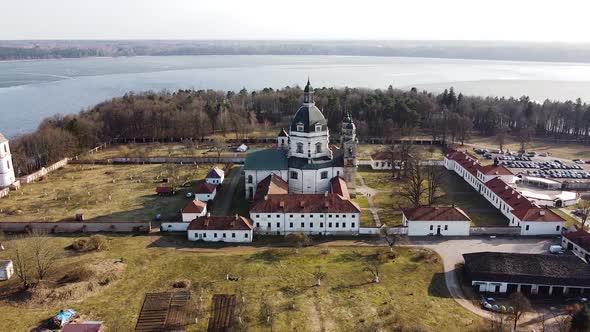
{"points": [[501, 134], [584, 207], [389, 238], [373, 265], [520, 304], [21, 259], [43, 256], [581, 320], [414, 188], [434, 177], [319, 275], [298, 240], [524, 136], [218, 146]]}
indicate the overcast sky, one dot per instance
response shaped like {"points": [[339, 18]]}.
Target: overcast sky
{"points": [[533, 20]]}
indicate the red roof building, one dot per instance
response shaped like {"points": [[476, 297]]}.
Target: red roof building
{"points": [[537, 214], [194, 206], [435, 213], [578, 241], [220, 223], [338, 186], [271, 185], [495, 170], [204, 187], [305, 203]]}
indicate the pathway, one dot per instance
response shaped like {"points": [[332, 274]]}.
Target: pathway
{"points": [[226, 193], [369, 193]]}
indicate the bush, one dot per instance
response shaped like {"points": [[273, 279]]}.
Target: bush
{"points": [[95, 242], [80, 273]]}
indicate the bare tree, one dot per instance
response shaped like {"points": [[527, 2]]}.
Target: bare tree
{"points": [[389, 238], [520, 304], [42, 255], [525, 135], [218, 146], [373, 265], [21, 259], [434, 176], [584, 207], [319, 275], [499, 322], [501, 134], [414, 188]]}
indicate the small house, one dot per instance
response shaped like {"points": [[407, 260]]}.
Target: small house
{"points": [[193, 209], [578, 242], [6, 269], [205, 191], [220, 229], [436, 220], [242, 148], [215, 176], [383, 160]]}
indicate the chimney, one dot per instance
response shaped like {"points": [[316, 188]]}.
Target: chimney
{"points": [[518, 197], [282, 204], [266, 197], [208, 214], [206, 222], [326, 204], [237, 216], [301, 203], [542, 212], [326, 194], [505, 187]]}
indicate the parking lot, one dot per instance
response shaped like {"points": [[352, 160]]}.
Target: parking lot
{"points": [[542, 166]]}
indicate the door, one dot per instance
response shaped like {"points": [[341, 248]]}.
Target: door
{"points": [[438, 230]]}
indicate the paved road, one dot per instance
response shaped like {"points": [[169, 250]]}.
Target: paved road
{"points": [[451, 252], [225, 196]]}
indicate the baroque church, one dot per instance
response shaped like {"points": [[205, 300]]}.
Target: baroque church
{"points": [[304, 157]]}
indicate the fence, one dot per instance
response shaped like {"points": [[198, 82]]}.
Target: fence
{"points": [[494, 231], [76, 227], [377, 231], [163, 160], [43, 171]]}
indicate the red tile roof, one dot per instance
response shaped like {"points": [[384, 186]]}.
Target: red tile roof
{"points": [[271, 185], [435, 213], [509, 195], [194, 206], [222, 223], [537, 214], [338, 186], [580, 237], [305, 203], [215, 173], [495, 170], [465, 160], [204, 188]]}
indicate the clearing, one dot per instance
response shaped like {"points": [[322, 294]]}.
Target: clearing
{"points": [[275, 280]]}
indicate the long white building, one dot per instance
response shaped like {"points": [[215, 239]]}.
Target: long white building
{"points": [[494, 183]]}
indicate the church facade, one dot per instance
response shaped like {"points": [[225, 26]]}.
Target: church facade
{"points": [[303, 156]]}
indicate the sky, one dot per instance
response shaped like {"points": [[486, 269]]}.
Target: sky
{"points": [[512, 20]]}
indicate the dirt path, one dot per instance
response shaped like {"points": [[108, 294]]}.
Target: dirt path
{"points": [[226, 194], [369, 193]]}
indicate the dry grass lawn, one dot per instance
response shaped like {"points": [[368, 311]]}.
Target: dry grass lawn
{"points": [[411, 296], [425, 152], [103, 193]]}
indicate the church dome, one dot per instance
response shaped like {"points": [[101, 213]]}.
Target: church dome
{"points": [[309, 116]]}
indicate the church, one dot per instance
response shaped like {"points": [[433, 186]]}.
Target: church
{"points": [[303, 156]]}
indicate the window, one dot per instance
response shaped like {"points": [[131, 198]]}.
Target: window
{"points": [[329, 216], [299, 147], [311, 225], [337, 224], [204, 234], [343, 225], [324, 175], [214, 234], [224, 235], [352, 225], [268, 225], [302, 225], [233, 235], [302, 216], [446, 227], [336, 216], [257, 216], [527, 227], [290, 216], [278, 215], [246, 235], [257, 224], [557, 228], [318, 127], [329, 224], [318, 147], [431, 227], [268, 216], [300, 127], [321, 215], [291, 225], [352, 216], [322, 224], [294, 175], [278, 224]]}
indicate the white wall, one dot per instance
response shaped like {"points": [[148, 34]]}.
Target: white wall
{"points": [[215, 181], [5, 274], [220, 236], [425, 228], [381, 164], [577, 250], [309, 223], [259, 175], [541, 227], [206, 197], [311, 182], [174, 226], [6, 167], [188, 217]]}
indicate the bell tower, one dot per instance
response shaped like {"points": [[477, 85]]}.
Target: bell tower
{"points": [[349, 144], [308, 93]]}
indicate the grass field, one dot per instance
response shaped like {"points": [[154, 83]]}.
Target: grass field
{"points": [[411, 296], [567, 150], [425, 152], [454, 190], [103, 193]]}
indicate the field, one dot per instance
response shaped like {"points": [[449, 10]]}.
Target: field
{"points": [[453, 191], [567, 150], [103, 193], [277, 280], [425, 152]]}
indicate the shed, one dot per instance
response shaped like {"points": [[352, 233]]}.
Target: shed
{"points": [[242, 148], [6, 269]]}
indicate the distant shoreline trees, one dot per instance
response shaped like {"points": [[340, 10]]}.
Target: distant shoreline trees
{"points": [[190, 114]]}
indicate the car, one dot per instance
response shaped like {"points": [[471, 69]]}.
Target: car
{"points": [[556, 249], [542, 154]]}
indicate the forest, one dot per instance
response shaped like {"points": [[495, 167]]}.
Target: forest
{"points": [[390, 113]]}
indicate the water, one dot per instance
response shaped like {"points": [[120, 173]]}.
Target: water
{"points": [[33, 90]]}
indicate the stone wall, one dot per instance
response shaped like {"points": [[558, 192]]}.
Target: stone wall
{"points": [[76, 227], [43, 171]]}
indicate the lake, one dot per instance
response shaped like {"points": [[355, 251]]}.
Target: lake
{"points": [[33, 90]]}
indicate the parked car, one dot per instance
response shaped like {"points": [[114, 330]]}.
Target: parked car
{"points": [[542, 154], [556, 249]]}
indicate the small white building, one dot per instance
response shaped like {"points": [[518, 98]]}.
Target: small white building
{"points": [[578, 242], [6, 168], [436, 220], [215, 176], [242, 148], [382, 160], [205, 191], [220, 229], [6, 270], [190, 212]]}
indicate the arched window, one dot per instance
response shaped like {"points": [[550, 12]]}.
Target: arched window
{"points": [[250, 179], [318, 147], [318, 127], [299, 147]]}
